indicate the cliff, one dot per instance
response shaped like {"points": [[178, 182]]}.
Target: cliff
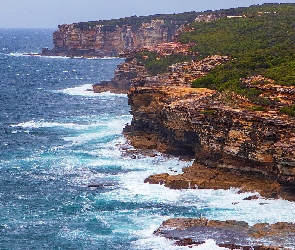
{"points": [[223, 137], [239, 136], [233, 143], [94, 39]]}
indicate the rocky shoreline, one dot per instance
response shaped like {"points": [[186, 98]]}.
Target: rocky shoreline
{"points": [[229, 234], [232, 144]]}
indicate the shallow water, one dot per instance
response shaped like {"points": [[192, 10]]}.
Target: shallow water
{"points": [[57, 138]]}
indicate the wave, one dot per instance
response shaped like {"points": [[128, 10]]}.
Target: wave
{"points": [[86, 90], [43, 124], [55, 57], [103, 58], [33, 54], [102, 124], [16, 54]]}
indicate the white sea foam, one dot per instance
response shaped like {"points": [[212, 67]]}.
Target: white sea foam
{"points": [[213, 204], [112, 125], [55, 57], [44, 124], [130, 186], [216, 204], [102, 131], [229, 204], [17, 54], [160, 243], [86, 90]]}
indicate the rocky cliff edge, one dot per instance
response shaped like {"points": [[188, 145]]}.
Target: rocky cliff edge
{"points": [[233, 143]]}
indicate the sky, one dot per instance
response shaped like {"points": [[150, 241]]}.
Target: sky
{"points": [[51, 13]]}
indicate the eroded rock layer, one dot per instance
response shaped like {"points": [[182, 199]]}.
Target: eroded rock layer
{"points": [[222, 136], [97, 40]]}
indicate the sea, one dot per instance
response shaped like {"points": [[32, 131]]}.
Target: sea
{"points": [[66, 180]]}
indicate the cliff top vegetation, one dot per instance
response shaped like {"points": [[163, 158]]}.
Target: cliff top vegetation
{"points": [[136, 21], [260, 40]]}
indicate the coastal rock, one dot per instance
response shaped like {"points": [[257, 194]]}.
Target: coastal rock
{"points": [[123, 78], [231, 234], [198, 176]]}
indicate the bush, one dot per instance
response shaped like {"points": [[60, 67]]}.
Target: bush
{"points": [[258, 108], [288, 110]]}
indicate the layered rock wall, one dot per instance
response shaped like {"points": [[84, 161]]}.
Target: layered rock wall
{"points": [[200, 121], [82, 39]]}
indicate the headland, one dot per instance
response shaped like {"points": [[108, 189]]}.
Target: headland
{"points": [[218, 89]]}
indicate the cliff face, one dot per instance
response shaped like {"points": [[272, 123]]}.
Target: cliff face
{"points": [[80, 39], [221, 136], [233, 145]]}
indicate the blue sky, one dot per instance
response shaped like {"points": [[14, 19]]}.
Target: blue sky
{"points": [[50, 13]]}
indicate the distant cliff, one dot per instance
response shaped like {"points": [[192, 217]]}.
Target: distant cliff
{"points": [[100, 40]]}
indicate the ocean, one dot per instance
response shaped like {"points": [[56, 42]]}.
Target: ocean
{"points": [[65, 179]]}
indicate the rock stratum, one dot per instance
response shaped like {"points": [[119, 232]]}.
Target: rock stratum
{"points": [[200, 121], [94, 39], [222, 131]]}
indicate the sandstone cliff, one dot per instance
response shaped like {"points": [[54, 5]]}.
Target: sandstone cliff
{"points": [[99, 40], [233, 145], [202, 122]]}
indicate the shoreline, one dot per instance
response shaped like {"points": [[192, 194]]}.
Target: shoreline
{"points": [[143, 135], [238, 131], [229, 234]]}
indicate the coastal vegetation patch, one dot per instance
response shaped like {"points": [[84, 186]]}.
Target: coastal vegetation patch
{"points": [[260, 40], [170, 20]]}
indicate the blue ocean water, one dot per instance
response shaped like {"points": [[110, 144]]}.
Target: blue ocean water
{"points": [[57, 138]]}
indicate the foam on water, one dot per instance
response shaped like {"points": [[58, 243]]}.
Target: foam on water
{"points": [[44, 124], [160, 243], [213, 204], [150, 204], [86, 90], [35, 54], [16, 54], [83, 90], [113, 125]]}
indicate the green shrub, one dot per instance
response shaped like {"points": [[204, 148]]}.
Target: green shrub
{"points": [[288, 110], [258, 108], [208, 111]]}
